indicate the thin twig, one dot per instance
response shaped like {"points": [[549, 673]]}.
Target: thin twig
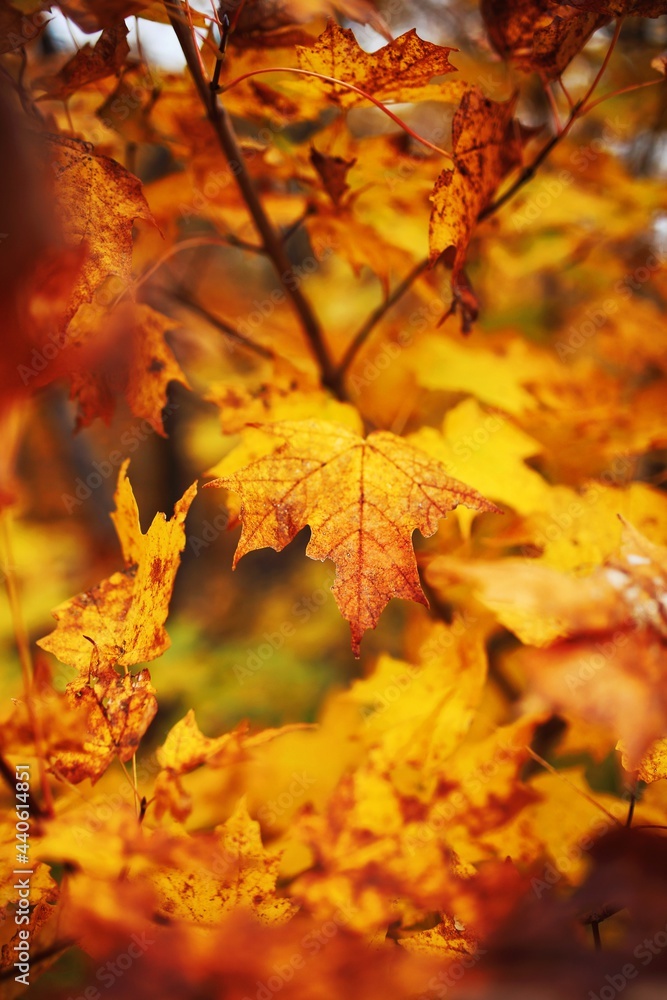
{"points": [[223, 326], [566, 92], [597, 940], [589, 798], [271, 239], [553, 106], [623, 90], [348, 86], [191, 244], [631, 806], [296, 225]]}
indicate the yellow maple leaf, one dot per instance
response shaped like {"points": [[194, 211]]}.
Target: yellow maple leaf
{"points": [[487, 145], [362, 498], [398, 71], [124, 615], [244, 877]]}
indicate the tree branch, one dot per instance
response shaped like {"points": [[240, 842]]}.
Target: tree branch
{"points": [[271, 240]]}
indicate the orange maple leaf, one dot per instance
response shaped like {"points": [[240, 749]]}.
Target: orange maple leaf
{"points": [[538, 37], [398, 71], [362, 499], [118, 711], [487, 145]]}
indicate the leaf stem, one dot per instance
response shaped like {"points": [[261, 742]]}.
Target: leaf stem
{"points": [[623, 90], [272, 242], [549, 94], [597, 940], [348, 86]]}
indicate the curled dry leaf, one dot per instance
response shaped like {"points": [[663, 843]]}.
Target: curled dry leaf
{"points": [[95, 15], [486, 146], [124, 615], [98, 202], [118, 711], [538, 35], [90, 63], [333, 172], [363, 500]]}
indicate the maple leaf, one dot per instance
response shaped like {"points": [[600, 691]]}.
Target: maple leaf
{"points": [[501, 371], [186, 748], [95, 15], [124, 615], [362, 499], [486, 146], [621, 8], [118, 711], [612, 630], [414, 734], [536, 602], [16, 27], [538, 35], [88, 64], [399, 71], [333, 172], [248, 879], [98, 201], [132, 357]]}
